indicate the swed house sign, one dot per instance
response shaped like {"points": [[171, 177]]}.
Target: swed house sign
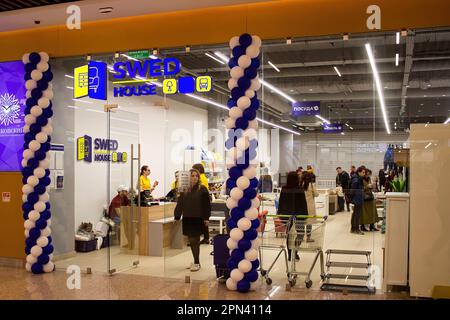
{"points": [[104, 150], [136, 78]]}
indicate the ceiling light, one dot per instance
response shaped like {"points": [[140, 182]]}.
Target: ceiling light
{"points": [[337, 71], [404, 33], [428, 145], [69, 76], [351, 128], [88, 57], [214, 58], [292, 90], [310, 90], [427, 124], [378, 85], [443, 95], [129, 57], [84, 101], [155, 51], [447, 121], [278, 91], [386, 87], [288, 41], [111, 69], [105, 9], [222, 57], [187, 49], [274, 66], [345, 37], [396, 59], [323, 119], [343, 133], [116, 54], [347, 125], [152, 56], [71, 88], [397, 38]]}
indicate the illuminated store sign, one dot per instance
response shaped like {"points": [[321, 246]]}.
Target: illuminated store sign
{"points": [[136, 78], [333, 128], [305, 108], [105, 150]]}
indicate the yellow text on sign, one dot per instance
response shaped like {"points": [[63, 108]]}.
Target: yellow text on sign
{"points": [[170, 86], [203, 84], [80, 82]]}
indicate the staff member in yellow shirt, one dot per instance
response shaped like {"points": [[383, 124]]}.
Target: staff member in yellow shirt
{"points": [[204, 182], [145, 183]]}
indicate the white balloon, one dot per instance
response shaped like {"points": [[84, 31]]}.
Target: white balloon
{"points": [[252, 51], [230, 123], [46, 232], [30, 84], [48, 129], [249, 93], [255, 203], [254, 286], [34, 215], [235, 112], [39, 206], [28, 224], [36, 111], [244, 61], [31, 259], [250, 133], [28, 267], [244, 224], [32, 181], [39, 172], [236, 234], [231, 203], [245, 266], [256, 41], [49, 267], [26, 128], [242, 143], [42, 66], [244, 102], [34, 145], [27, 189], [251, 213], [231, 284], [44, 56], [236, 275], [234, 42], [44, 102], [251, 254], [236, 194], [42, 241], [231, 244], [253, 124], [24, 198], [250, 172], [48, 93], [44, 197], [30, 119], [28, 94], [36, 75], [237, 72], [256, 243], [255, 84], [36, 251], [41, 137], [45, 164], [232, 83], [27, 233], [243, 183], [26, 58]]}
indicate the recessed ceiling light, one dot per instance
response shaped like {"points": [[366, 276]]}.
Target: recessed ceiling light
{"points": [[292, 90], [421, 104], [274, 66], [424, 95], [105, 9], [310, 89], [386, 87]]}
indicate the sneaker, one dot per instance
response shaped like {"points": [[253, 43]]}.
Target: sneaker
{"points": [[204, 241], [190, 266], [195, 267]]}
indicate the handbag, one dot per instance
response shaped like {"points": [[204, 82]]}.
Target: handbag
{"points": [[368, 196]]}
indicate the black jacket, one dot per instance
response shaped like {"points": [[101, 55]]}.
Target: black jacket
{"points": [[194, 204], [344, 180], [292, 202]]}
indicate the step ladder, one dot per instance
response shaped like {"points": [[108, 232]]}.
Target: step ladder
{"points": [[327, 285]]}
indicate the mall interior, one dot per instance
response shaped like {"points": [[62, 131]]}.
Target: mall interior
{"points": [[148, 84]]}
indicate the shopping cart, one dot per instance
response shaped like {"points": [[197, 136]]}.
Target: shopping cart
{"points": [[305, 234]]}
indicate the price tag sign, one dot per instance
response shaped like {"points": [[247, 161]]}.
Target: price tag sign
{"points": [[6, 196], [184, 181]]}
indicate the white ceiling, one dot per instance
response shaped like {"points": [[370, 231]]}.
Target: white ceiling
{"points": [[56, 14]]}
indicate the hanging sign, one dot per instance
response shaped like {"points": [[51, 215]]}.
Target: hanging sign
{"points": [[333, 128], [305, 108]]}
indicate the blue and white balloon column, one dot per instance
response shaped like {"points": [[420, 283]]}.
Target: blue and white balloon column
{"points": [[241, 161], [35, 163]]}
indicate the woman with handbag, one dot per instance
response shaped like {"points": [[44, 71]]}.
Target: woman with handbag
{"points": [[369, 213]]}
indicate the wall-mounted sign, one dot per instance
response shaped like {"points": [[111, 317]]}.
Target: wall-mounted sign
{"points": [[104, 150], [136, 78], [6, 196], [139, 54], [333, 128], [305, 108]]}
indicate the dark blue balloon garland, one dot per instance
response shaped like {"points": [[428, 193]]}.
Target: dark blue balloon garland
{"points": [[35, 164]]}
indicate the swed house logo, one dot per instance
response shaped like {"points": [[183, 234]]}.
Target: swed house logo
{"points": [[90, 80], [105, 150], [9, 109]]}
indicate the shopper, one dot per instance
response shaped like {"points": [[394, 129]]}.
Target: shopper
{"points": [[369, 212], [175, 183], [310, 169], [145, 185], [204, 182], [381, 179], [292, 202], [352, 171], [265, 184], [343, 180], [387, 184], [195, 208], [310, 190], [357, 196], [120, 200]]}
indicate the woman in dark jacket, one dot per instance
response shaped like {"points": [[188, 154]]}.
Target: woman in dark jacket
{"points": [[195, 207], [292, 201]]}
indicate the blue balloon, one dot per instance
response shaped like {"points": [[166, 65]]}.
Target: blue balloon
{"points": [[45, 146], [250, 234], [253, 144], [255, 223], [229, 143], [50, 239], [26, 76], [25, 216], [29, 67], [25, 145], [254, 183], [48, 249], [235, 133], [244, 83], [255, 63], [24, 180], [251, 276], [27, 250], [47, 206], [231, 103], [47, 75], [42, 84], [26, 172], [254, 103], [28, 137], [36, 93], [245, 40], [255, 264], [47, 172], [250, 72], [30, 242], [33, 197], [237, 213], [244, 244], [43, 259], [243, 286], [41, 120], [34, 57], [27, 207], [41, 223], [232, 63], [236, 93], [237, 255], [37, 268], [39, 189], [35, 129], [232, 264], [250, 193], [33, 163], [231, 183], [40, 154], [235, 173], [231, 224], [31, 102], [241, 123], [244, 203], [47, 112], [238, 51], [35, 233], [27, 110], [249, 114], [45, 181], [243, 164], [45, 215]]}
